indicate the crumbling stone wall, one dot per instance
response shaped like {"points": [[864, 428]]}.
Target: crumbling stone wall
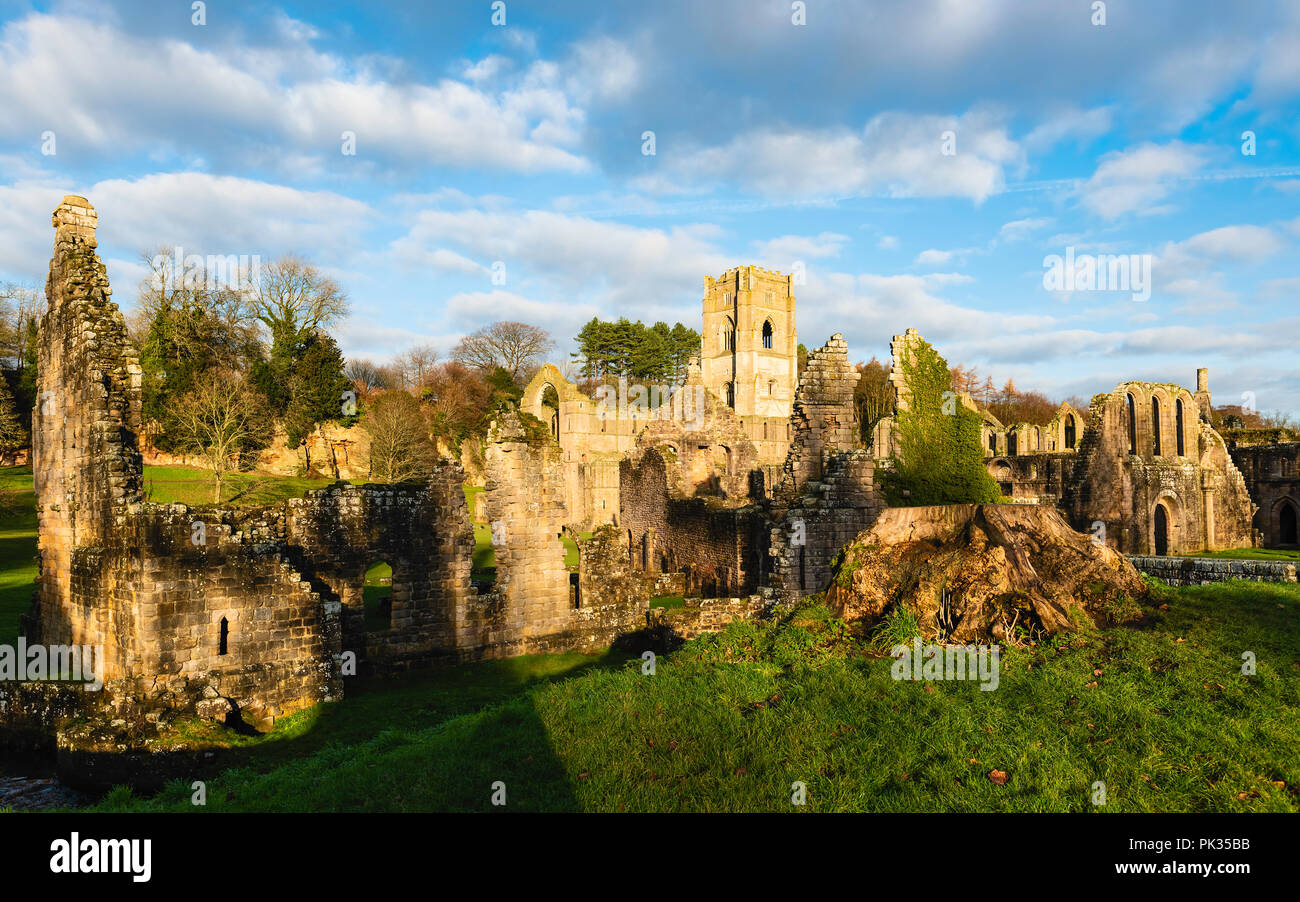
{"points": [[1272, 475], [720, 548], [137, 579], [828, 492], [1033, 478], [335, 535], [825, 419]]}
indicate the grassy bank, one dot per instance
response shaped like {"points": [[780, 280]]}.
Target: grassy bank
{"points": [[1251, 554], [1161, 714]]}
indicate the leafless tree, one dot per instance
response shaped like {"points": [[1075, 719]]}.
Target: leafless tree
{"points": [[507, 344], [366, 377], [416, 366], [293, 295], [400, 447], [218, 420], [18, 305]]}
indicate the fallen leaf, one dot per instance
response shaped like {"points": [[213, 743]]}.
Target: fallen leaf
{"points": [[998, 776], [929, 688]]}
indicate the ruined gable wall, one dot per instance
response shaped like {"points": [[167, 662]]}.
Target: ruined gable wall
{"points": [[525, 495], [824, 420], [828, 492], [85, 458]]}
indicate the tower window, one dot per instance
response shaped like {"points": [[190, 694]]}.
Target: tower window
{"points": [[223, 641], [730, 392], [767, 334]]}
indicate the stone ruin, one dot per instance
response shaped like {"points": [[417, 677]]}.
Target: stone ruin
{"points": [[257, 612]]}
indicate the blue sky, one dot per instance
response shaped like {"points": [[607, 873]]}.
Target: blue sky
{"points": [[776, 144]]}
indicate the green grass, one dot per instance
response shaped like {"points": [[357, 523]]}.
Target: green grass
{"points": [[191, 485], [17, 548], [730, 721], [1251, 554], [378, 585], [668, 601]]}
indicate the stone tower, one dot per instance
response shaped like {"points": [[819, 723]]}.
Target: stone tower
{"points": [[748, 342]]}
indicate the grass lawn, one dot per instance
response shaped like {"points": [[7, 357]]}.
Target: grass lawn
{"points": [[1160, 713], [191, 485], [668, 601], [1252, 554], [17, 548]]}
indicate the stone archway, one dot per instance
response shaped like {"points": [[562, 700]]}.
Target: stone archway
{"points": [[1286, 523], [1160, 530]]}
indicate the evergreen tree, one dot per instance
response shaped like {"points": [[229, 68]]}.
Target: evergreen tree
{"points": [[315, 391]]}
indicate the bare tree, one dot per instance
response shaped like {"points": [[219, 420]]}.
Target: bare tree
{"points": [[507, 344], [218, 420], [366, 377], [416, 366], [873, 395], [18, 304], [400, 447], [291, 295]]}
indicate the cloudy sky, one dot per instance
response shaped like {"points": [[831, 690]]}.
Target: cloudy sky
{"points": [[916, 159]]}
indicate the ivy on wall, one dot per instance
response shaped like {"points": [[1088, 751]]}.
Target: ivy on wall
{"points": [[940, 459]]}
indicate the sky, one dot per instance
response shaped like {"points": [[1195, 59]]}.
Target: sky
{"points": [[917, 163]]}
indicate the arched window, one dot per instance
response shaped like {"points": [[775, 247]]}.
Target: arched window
{"points": [[1178, 425], [1155, 425], [730, 392], [729, 335], [1011, 443], [767, 334], [223, 639], [1069, 430], [1132, 427]]}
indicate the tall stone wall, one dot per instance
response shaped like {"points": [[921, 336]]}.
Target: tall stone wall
{"points": [[828, 491], [525, 503], [86, 458], [1272, 475], [824, 421]]}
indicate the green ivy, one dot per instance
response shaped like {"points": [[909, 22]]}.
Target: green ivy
{"points": [[940, 458]]}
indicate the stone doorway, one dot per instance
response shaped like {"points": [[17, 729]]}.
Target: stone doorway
{"points": [[1286, 524], [1161, 531]]}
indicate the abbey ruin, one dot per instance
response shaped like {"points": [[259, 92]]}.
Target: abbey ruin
{"points": [[739, 490]]}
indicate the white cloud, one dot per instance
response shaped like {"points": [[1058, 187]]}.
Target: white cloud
{"points": [[1071, 122], [124, 93], [1019, 229], [781, 252], [1129, 180], [933, 257], [1237, 243], [894, 155]]}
